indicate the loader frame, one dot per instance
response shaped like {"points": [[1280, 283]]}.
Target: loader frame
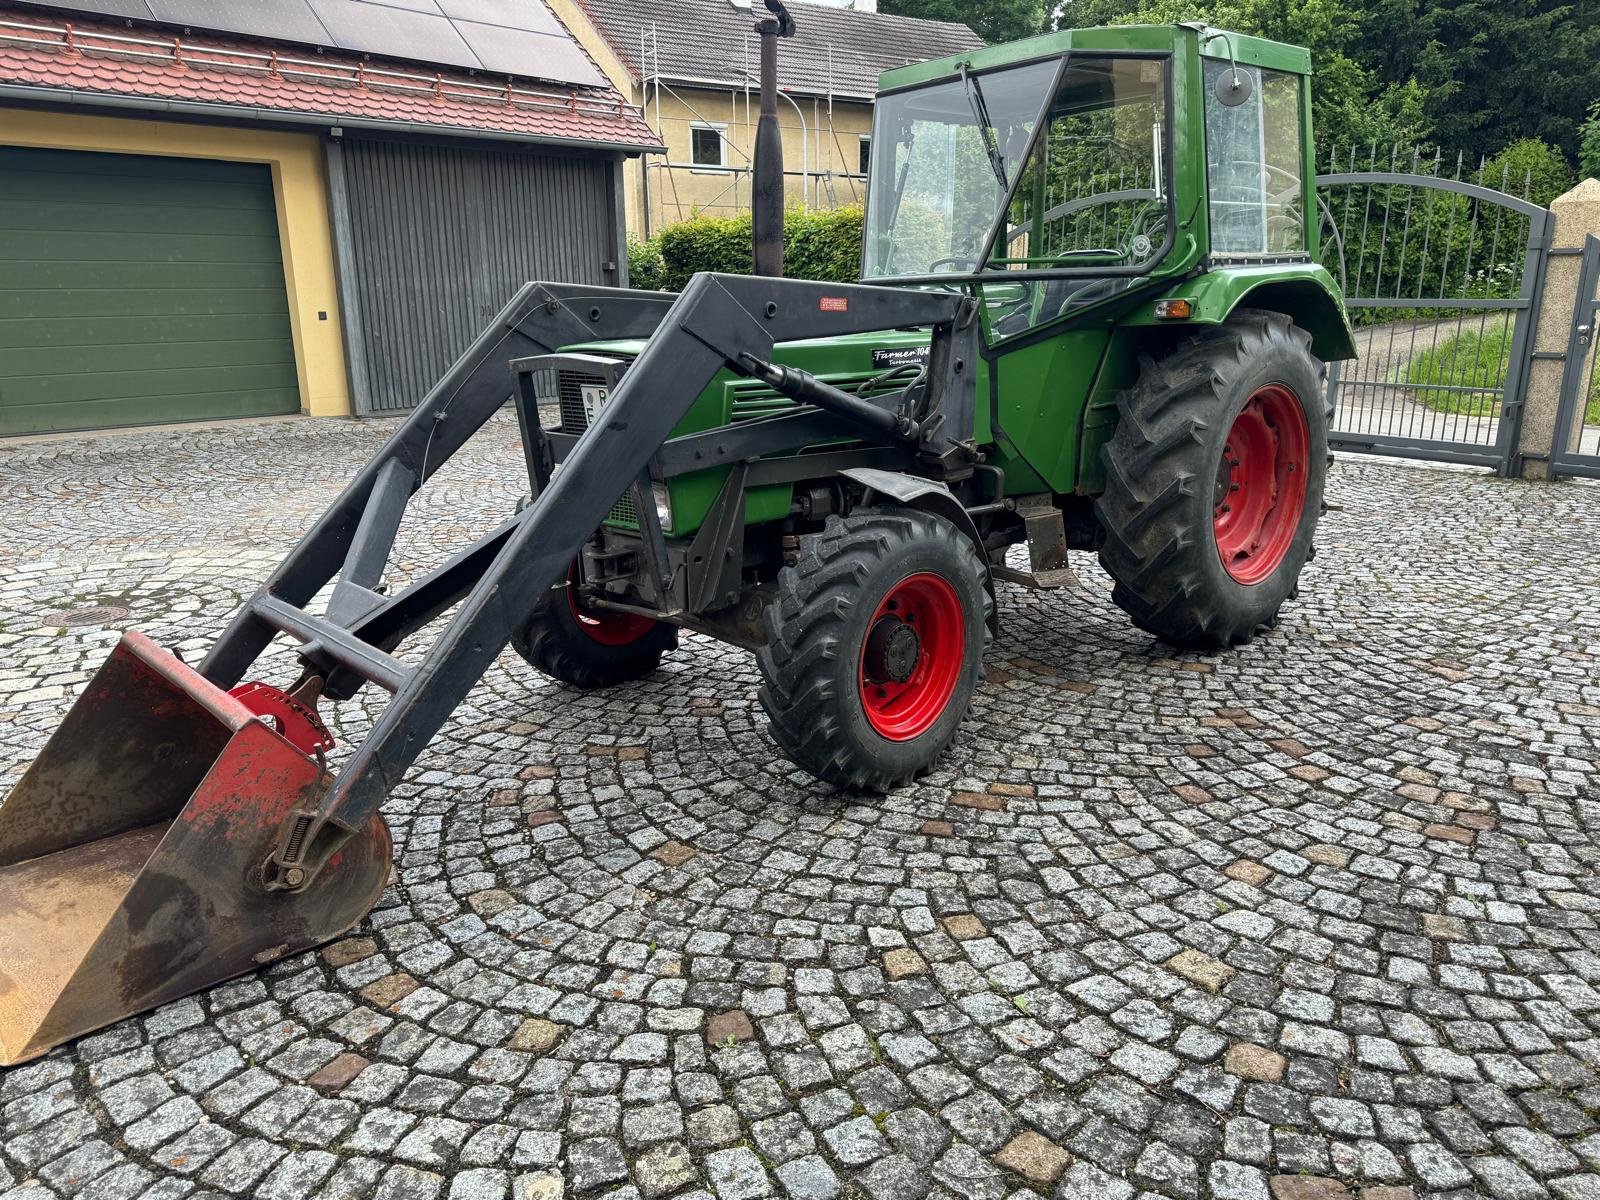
{"points": [[719, 322]]}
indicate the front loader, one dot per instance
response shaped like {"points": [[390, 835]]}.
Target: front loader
{"points": [[1092, 320]]}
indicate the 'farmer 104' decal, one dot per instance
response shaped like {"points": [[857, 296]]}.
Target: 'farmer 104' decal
{"points": [[899, 356]]}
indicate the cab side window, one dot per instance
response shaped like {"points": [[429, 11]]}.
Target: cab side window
{"points": [[1254, 161]]}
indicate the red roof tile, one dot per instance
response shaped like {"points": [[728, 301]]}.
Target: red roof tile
{"points": [[95, 57]]}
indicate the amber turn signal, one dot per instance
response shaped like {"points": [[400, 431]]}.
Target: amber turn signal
{"points": [[1174, 310]]}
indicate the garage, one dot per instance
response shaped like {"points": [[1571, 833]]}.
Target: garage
{"points": [[137, 289], [516, 214]]}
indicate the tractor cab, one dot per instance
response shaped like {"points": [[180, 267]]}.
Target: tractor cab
{"points": [[1065, 172]]}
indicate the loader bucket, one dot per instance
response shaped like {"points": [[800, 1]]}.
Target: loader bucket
{"points": [[131, 851]]}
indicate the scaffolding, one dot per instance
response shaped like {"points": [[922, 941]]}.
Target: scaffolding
{"points": [[822, 184]]}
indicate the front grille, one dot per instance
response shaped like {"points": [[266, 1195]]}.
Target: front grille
{"points": [[569, 395]]}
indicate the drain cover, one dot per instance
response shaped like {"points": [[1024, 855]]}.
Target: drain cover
{"points": [[79, 617]]}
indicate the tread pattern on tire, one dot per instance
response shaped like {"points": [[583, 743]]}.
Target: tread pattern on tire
{"points": [[557, 648], [1153, 464], [805, 626]]}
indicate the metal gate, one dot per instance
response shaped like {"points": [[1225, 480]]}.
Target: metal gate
{"points": [[1576, 447], [1442, 277]]}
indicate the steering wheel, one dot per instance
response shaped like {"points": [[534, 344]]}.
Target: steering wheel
{"points": [[957, 261]]}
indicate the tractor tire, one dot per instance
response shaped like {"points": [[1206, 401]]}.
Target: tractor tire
{"points": [[1214, 482], [875, 646], [591, 648]]}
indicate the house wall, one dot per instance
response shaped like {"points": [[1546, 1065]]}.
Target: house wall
{"points": [[304, 229], [675, 190], [821, 157]]}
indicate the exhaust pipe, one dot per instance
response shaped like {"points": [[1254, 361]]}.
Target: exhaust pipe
{"points": [[766, 191]]}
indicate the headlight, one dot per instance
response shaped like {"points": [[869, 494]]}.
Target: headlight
{"points": [[663, 498]]}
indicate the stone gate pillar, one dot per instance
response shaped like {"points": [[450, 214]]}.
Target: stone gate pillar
{"points": [[1577, 215]]}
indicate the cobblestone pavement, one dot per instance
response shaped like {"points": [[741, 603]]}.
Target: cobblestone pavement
{"points": [[1313, 918]]}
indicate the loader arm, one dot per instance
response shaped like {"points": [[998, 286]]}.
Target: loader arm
{"points": [[718, 322], [178, 830]]}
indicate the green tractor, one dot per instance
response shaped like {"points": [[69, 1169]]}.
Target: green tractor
{"points": [[1130, 212], [1091, 318]]}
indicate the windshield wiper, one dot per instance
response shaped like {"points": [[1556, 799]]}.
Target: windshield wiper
{"points": [[985, 130]]}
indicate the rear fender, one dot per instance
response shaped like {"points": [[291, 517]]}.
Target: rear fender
{"points": [[1304, 292], [933, 498]]}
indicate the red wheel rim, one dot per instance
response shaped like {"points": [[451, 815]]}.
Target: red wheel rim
{"points": [[911, 659], [1261, 484], [603, 625]]}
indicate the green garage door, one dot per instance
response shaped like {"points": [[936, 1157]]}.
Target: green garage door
{"points": [[137, 290]]}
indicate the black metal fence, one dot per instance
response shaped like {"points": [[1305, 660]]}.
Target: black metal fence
{"points": [[1442, 265]]}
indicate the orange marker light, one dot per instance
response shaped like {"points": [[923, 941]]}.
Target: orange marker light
{"points": [[1174, 310]]}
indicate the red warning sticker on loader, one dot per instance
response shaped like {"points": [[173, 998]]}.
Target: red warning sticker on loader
{"points": [[834, 304]]}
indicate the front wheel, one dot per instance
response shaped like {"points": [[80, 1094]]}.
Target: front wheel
{"points": [[591, 647], [874, 647], [1214, 482]]}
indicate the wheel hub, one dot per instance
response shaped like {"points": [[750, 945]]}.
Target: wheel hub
{"points": [[892, 651], [912, 656], [1260, 491]]}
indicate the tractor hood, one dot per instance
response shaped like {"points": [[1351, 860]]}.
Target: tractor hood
{"points": [[821, 356]]}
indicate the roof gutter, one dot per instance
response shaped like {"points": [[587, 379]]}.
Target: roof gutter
{"points": [[274, 116]]}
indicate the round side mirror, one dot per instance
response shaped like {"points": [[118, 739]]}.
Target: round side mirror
{"points": [[1234, 87]]}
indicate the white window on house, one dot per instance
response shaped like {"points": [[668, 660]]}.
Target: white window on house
{"points": [[707, 145], [865, 154]]}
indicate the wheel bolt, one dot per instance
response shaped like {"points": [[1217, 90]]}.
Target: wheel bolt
{"points": [[1233, 487], [1227, 508]]}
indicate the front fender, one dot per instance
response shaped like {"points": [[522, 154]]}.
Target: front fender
{"points": [[929, 496]]}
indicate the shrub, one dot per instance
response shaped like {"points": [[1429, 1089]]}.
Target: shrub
{"points": [[645, 266], [824, 245]]}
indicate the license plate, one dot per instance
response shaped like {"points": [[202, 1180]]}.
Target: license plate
{"points": [[594, 398]]}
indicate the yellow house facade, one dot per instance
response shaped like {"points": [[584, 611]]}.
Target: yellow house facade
{"points": [[691, 67]]}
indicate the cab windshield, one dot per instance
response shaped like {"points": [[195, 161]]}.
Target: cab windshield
{"points": [[943, 159]]}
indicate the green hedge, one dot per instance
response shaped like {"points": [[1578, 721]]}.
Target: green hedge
{"points": [[823, 245]]}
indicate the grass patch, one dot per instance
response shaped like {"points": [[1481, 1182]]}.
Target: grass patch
{"points": [[1476, 359]]}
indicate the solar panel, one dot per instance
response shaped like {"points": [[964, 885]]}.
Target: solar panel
{"points": [[517, 52], [513, 14], [108, 8], [502, 37], [291, 20], [394, 32]]}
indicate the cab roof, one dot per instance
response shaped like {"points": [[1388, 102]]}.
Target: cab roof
{"points": [[1133, 39]]}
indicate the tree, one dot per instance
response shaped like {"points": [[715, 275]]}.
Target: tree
{"points": [[1589, 145], [1529, 167], [1351, 106], [993, 21], [1471, 75]]}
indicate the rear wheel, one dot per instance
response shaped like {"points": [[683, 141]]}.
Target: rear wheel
{"points": [[591, 647], [875, 646], [1215, 482]]}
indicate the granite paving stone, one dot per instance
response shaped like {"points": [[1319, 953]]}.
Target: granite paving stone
{"points": [[1313, 919]]}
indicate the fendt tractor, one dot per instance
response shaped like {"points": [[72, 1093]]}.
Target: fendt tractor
{"points": [[1090, 318]]}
